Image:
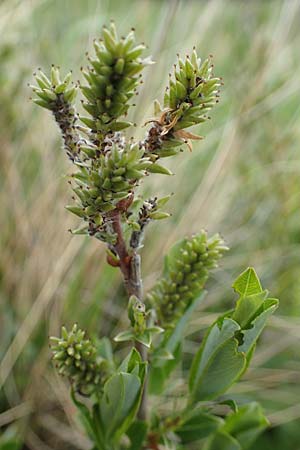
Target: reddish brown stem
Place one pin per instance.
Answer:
(130, 268)
(152, 441)
(120, 245)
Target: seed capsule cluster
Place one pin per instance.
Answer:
(191, 93)
(109, 167)
(112, 80)
(101, 185)
(76, 358)
(149, 210)
(187, 272)
(58, 96)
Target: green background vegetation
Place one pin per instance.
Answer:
(241, 180)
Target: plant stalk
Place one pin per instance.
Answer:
(130, 266)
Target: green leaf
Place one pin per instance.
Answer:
(174, 336)
(11, 445)
(162, 201)
(132, 360)
(88, 422)
(78, 211)
(229, 344)
(118, 404)
(251, 335)
(157, 168)
(159, 215)
(170, 345)
(216, 336)
(247, 283)
(121, 398)
(88, 122)
(104, 349)
(99, 430)
(145, 338)
(246, 424)
(197, 426)
(223, 368)
(231, 403)
(80, 231)
(118, 126)
(164, 354)
(159, 375)
(223, 441)
(137, 434)
(127, 335)
(247, 307)
(10, 439)
(155, 329)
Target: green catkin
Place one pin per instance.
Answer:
(109, 168)
(76, 358)
(191, 93)
(112, 80)
(110, 178)
(187, 274)
(59, 97)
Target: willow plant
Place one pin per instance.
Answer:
(116, 398)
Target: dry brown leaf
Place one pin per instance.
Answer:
(187, 135)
